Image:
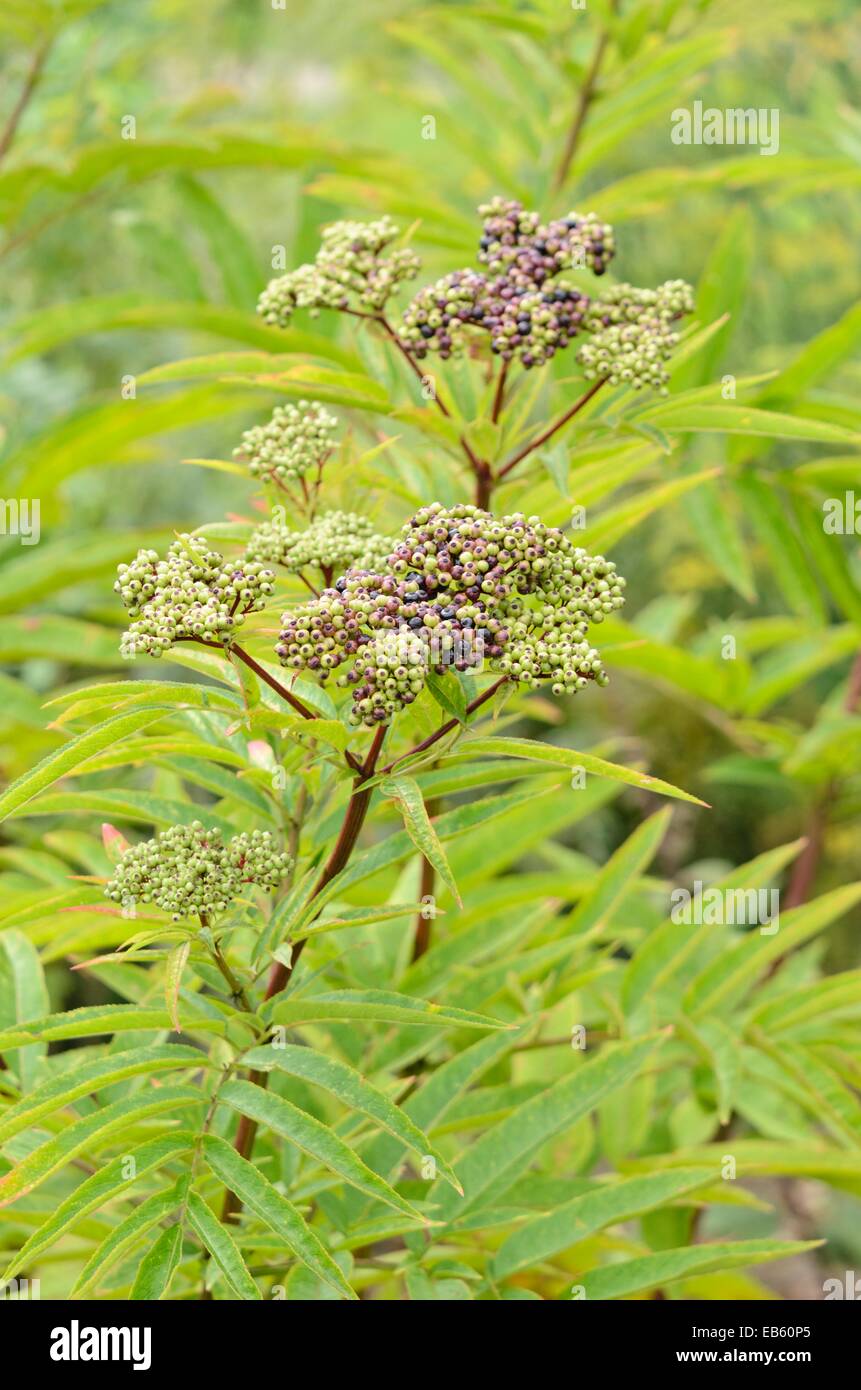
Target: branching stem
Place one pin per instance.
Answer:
(554, 428)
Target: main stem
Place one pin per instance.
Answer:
(584, 100)
(424, 919)
(357, 809)
(30, 83)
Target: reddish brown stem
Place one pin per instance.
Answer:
(30, 83)
(554, 428)
(499, 395)
(584, 100)
(410, 360)
(483, 485)
(424, 919)
(479, 467)
(354, 819)
(273, 684)
(447, 727)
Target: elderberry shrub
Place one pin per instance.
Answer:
(189, 871)
(517, 304)
(459, 588)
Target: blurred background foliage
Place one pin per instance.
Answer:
(255, 124)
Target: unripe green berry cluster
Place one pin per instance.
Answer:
(633, 335)
(460, 587)
(193, 593)
(294, 441)
(333, 543)
(189, 871)
(355, 268)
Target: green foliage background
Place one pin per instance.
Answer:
(254, 127)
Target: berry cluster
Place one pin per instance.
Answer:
(517, 300)
(355, 268)
(460, 587)
(531, 326)
(295, 440)
(528, 314)
(192, 593)
(515, 243)
(632, 334)
(335, 542)
(189, 870)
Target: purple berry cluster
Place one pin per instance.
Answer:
(527, 313)
(461, 587)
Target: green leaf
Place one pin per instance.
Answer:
(312, 1138)
(58, 639)
(127, 694)
(569, 757)
(218, 1241)
(619, 874)
(63, 761)
(353, 1090)
(739, 965)
(717, 1044)
(818, 357)
(259, 1196)
(52, 326)
(60, 564)
(123, 1236)
(501, 1154)
(816, 1087)
(115, 1179)
(767, 512)
(612, 525)
(23, 996)
(228, 246)
(654, 1271)
(829, 999)
(448, 693)
(406, 793)
(790, 664)
(98, 1020)
(94, 1128)
(176, 963)
(110, 434)
(443, 1087)
(353, 917)
(714, 514)
(373, 1006)
(93, 1075)
(762, 1157)
(722, 289)
(158, 1266)
(608, 1204)
(664, 950)
(746, 420)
